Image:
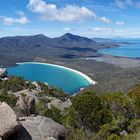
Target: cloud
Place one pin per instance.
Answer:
(105, 20)
(20, 13)
(68, 13)
(120, 4)
(113, 32)
(66, 29)
(10, 20)
(120, 23)
(103, 29)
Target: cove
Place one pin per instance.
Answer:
(69, 80)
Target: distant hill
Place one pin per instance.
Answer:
(70, 38)
(27, 48)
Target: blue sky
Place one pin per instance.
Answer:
(91, 18)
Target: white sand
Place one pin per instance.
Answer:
(73, 70)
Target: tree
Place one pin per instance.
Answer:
(119, 104)
(134, 94)
(91, 111)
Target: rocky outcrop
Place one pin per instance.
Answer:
(3, 73)
(28, 128)
(9, 123)
(38, 88)
(59, 104)
(42, 128)
(26, 104)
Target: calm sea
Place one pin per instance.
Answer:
(64, 79)
(128, 48)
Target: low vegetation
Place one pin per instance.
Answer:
(8, 98)
(92, 116)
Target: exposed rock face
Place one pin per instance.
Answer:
(25, 104)
(42, 128)
(59, 104)
(38, 88)
(9, 123)
(3, 73)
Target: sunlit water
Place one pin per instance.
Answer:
(127, 50)
(65, 79)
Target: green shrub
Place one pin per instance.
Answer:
(114, 137)
(119, 104)
(134, 94)
(71, 119)
(91, 111)
(14, 84)
(31, 86)
(40, 107)
(10, 99)
(54, 113)
(77, 134)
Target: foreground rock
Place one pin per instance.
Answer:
(3, 73)
(42, 128)
(9, 123)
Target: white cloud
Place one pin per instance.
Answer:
(66, 29)
(69, 13)
(101, 29)
(120, 4)
(105, 20)
(22, 19)
(120, 23)
(10, 20)
(113, 32)
(20, 13)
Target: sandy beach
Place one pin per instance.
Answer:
(118, 61)
(70, 69)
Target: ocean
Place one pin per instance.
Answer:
(128, 48)
(67, 80)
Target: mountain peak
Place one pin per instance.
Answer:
(78, 38)
(68, 34)
(40, 35)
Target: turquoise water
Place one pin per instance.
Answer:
(127, 50)
(67, 80)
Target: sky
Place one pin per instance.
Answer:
(89, 18)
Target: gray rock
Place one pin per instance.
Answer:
(25, 104)
(9, 123)
(42, 128)
(3, 72)
(38, 88)
(59, 104)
